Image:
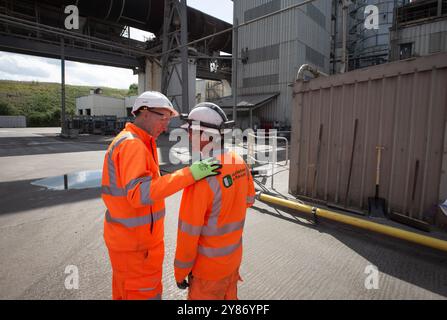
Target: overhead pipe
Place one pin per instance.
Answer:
(307, 67)
(356, 222)
(344, 56)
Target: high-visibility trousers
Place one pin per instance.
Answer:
(224, 289)
(137, 275)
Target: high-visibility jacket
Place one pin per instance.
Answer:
(211, 221)
(134, 192)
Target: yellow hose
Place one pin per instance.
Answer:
(360, 223)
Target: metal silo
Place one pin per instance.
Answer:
(370, 46)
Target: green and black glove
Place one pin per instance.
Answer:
(205, 168)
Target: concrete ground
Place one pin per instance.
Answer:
(286, 256)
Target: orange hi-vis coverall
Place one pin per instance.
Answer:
(133, 192)
(211, 221)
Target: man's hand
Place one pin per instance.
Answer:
(205, 168)
(183, 285)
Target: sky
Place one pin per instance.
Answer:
(30, 68)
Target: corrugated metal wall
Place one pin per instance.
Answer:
(277, 48)
(401, 106)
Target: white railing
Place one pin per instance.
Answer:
(251, 152)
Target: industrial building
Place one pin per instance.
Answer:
(209, 90)
(356, 137)
(272, 50)
(330, 36)
(420, 29)
(96, 104)
(406, 28)
(363, 44)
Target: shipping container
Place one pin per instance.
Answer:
(400, 107)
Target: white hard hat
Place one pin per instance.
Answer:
(154, 99)
(211, 117)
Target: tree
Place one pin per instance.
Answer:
(133, 90)
(5, 109)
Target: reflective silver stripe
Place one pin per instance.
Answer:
(113, 191)
(145, 190)
(159, 215)
(189, 228)
(184, 265)
(133, 183)
(228, 228)
(157, 297)
(111, 165)
(217, 201)
(147, 289)
(219, 252)
(136, 222)
(250, 199)
(210, 230)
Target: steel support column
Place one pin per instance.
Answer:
(63, 124)
(175, 34)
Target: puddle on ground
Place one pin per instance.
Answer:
(77, 180)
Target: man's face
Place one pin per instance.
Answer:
(156, 121)
(203, 139)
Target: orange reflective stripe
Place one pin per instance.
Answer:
(219, 252)
(138, 221)
(183, 265)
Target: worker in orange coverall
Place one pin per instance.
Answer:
(134, 191)
(212, 216)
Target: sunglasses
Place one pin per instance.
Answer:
(163, 116)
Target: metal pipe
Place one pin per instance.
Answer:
(68, 34)
(344, 62)
(306, 67)
(234, 68)
(184, 54)
(359, 223)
